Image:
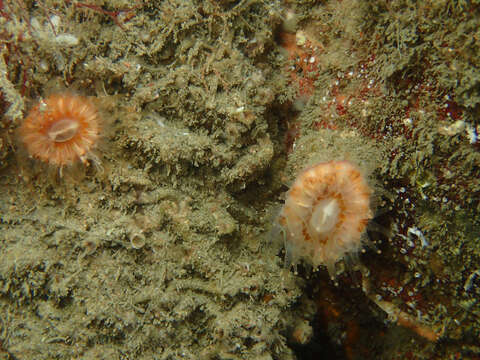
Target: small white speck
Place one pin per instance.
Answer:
(471, 133)
(469, 283)
(43, 105)
(55, 21)
(418, 233)
(67, 40)
(43, 65)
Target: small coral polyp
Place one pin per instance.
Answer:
(325, 214)
(61, 130)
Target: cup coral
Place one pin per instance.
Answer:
(325, 214)
(61, 130)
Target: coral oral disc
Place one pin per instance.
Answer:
(63, 130)
(324, 216)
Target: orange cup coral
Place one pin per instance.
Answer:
(325, 214)
(61, 130)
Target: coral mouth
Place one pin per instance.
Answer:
(325, 215)
(63, 130)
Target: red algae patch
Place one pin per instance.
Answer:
(61, 130)
(325, 214)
